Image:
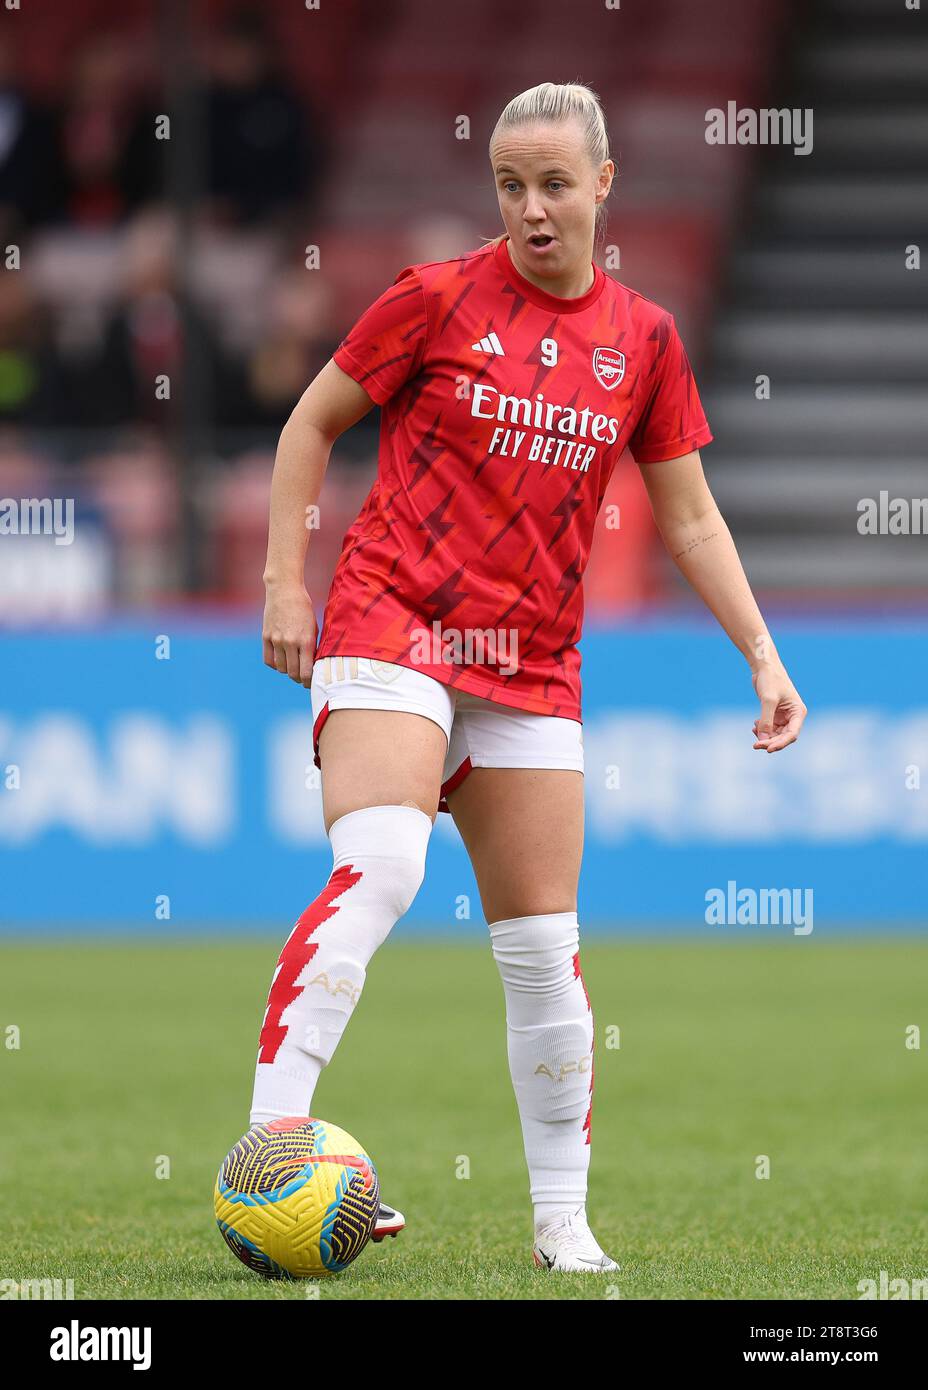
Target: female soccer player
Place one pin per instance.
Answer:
(446, 676)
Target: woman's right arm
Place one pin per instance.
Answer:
(331, 404)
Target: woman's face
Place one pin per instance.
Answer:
(548, 192)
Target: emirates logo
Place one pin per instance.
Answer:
(608, 366)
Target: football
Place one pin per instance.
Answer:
(297, 1197)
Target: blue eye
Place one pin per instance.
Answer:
(554, 184)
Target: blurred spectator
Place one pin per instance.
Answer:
(29, 168)
(260, 160)
(439, 236)
(25, 363)
(108, 375)
(112, 161)
(297, 339)
(135, 489)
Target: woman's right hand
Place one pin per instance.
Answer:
(289, 632)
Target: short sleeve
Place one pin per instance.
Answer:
(385, 347)
(673, 421)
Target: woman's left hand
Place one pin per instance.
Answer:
(781, 710)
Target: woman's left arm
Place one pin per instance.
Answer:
(700, 544)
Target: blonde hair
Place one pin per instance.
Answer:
(556, 103)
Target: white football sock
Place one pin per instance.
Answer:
(379, 864)
(549, 1028)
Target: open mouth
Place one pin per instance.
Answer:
(540, 239)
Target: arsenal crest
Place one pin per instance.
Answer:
(609, 366)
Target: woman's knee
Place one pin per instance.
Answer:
(379, 855)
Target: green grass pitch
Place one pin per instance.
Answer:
(794, 1049)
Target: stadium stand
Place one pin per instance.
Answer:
(135, 263)
(821, 297)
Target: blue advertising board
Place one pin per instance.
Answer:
(160, 777)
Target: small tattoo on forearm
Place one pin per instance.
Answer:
(697, 540)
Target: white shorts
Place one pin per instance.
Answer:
(480, 733)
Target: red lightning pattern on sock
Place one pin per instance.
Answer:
(297, 953)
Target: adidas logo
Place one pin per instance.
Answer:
(489, 344)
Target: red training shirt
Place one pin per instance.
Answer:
(504, 412)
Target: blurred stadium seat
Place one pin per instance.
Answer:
(126, 273)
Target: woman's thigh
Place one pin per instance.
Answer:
(382, 735)
(523, 830)
(375, 757)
